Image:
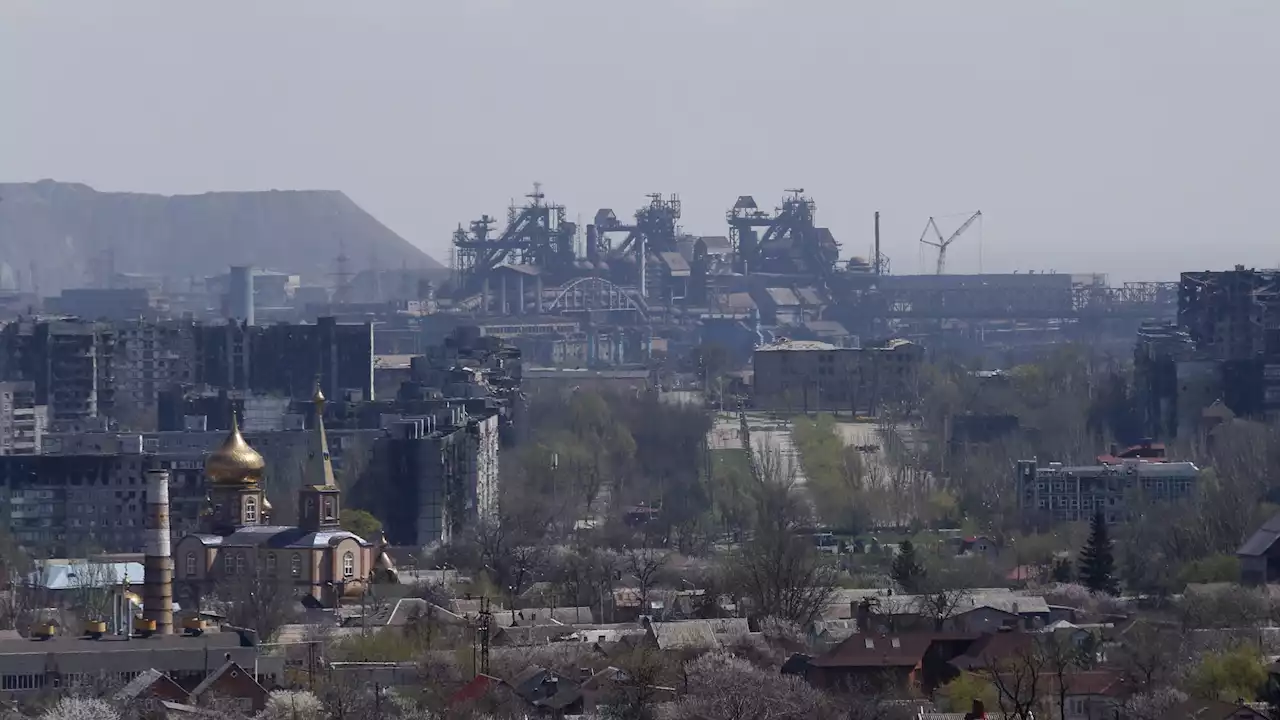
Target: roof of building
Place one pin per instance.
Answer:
(739, 301)
(74, 574)
(1202, 709)
(716, 244)
(229, 667)
(140, 684)
(1262, 539)
(825, 327)
(528, 617)
(675, 262)
(584, 374)
(874, 650)
(168, 653)
(685, 635)
(279, 537)
(809, 296)
(993, 648)
(796, 345)
(783, 297)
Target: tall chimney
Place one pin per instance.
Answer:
(157, 566)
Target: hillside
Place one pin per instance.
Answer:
(64, 227)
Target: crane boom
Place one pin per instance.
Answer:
(943, 243)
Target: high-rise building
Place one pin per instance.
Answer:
(22, 421)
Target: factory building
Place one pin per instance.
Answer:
(1221, 358)
(804, 375)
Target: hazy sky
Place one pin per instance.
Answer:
(1137, 138)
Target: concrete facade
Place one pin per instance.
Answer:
(809, 375)
(22, 421)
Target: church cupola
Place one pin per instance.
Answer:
(235, 493)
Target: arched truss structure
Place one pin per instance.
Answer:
(593, 294)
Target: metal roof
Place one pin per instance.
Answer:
(71, 575)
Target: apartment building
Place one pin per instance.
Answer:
(805, 375)
(1063, 493)
(22, 421)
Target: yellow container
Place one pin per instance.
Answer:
(144, 626)
(44, 630)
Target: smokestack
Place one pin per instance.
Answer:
(876, 260)
(157, 566)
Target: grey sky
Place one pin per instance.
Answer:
(1137, 138)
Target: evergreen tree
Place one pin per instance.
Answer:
(907, 570)
(1097, 559)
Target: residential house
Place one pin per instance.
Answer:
(873, 660)
(232, 682)
(142, 697)
(1260, 555)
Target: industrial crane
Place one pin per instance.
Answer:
(943, 243)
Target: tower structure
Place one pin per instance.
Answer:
(157, 567)
(320, 499)
(235, 491)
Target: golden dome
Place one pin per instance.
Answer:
(234, 461)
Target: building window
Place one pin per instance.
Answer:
(348, 564)
(250, 510)
(295, 565)
(271, 563)
(328, 508)
(191, 564)
(228, 562)
(239, 563)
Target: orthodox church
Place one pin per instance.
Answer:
(238, 542)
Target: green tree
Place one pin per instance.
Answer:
(907, 570)
(360, 522)
(1097, 559)
(1230, 675)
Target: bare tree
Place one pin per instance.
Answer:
(1018, 681)
(941, 605)
(254, 600)
(719, 686)
(92, 587)
(778, 570)
(1148, 656)
(645, 564)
